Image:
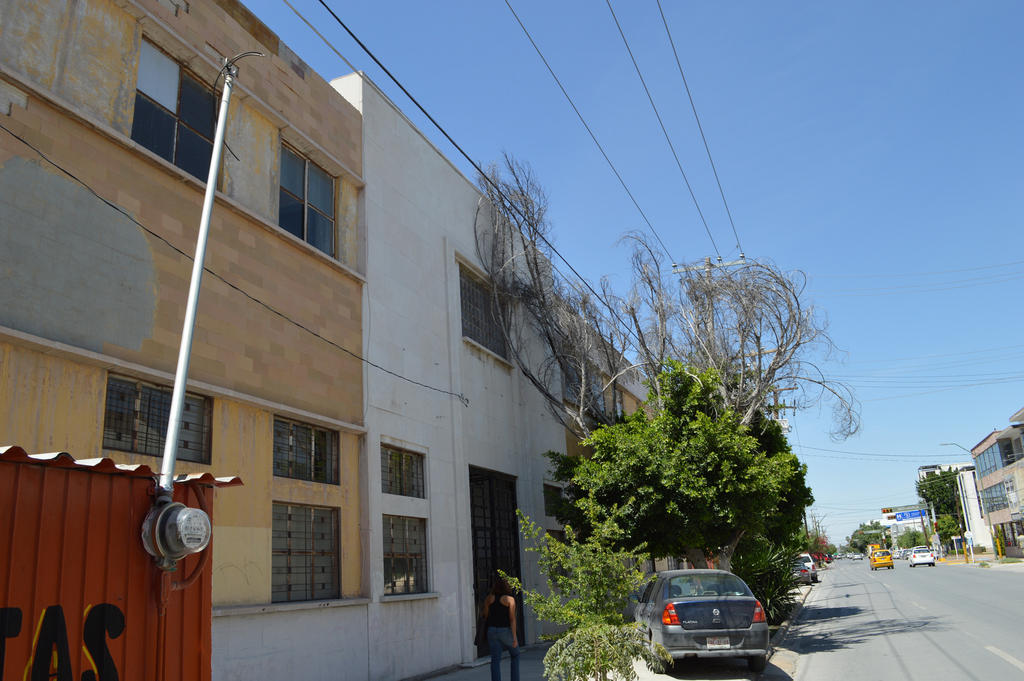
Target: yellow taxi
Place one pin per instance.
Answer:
(880, 559)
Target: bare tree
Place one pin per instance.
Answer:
(749, 321)
(557, 332)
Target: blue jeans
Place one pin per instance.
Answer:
(498, 639)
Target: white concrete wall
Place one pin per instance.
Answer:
(420, 212)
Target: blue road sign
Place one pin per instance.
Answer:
(909, 515)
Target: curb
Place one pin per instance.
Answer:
(783, 630)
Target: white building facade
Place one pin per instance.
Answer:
(444, 476)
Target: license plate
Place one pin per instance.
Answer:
(718, 642)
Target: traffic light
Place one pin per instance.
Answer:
(886, 510)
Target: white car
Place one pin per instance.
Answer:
(808, 563)
(922, 555)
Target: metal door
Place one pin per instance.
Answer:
(492, 502)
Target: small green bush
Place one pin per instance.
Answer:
(984, 564)
(767, 569)
(1010, 560)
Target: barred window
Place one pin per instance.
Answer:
(405, 555)
(305, 452)
(136, 416)
(305, 555)
(401, 472)
(478, 319)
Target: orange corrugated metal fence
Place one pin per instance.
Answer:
(80, 599)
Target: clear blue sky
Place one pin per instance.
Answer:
(875, 146)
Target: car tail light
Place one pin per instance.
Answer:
(758, 612)
(669, 615)
(803, 569)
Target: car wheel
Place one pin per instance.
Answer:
(911, 565)
(757, 663)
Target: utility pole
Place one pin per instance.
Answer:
(708, 266)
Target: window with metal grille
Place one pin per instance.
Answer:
(478, 319)
(307, 201)
(405, 555)
(305, 452)
(401, 472)
(305, 555)
(136, 416)
(175, 113)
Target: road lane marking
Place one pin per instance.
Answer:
(918, 605)
(1006, 656)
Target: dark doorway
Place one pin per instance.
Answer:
(492, 507)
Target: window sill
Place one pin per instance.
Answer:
(490, 353)
(234, 610)
(391, 598)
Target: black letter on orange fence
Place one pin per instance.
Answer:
(52, 646)
(10, 626)
(102, 620)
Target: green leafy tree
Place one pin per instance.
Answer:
(947, 527)
(939, 490)
(693, 478)
(911, 538)
(867, 533)
(589, 582)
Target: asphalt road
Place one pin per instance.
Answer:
(955, 622)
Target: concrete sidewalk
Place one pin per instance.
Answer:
(781, 664)
(531, 668)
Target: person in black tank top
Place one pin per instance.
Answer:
(500, 614)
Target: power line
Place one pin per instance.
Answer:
(920, 274)
(934, 287)
(579, 115)
(484, 176)
(875, 454)
(664, 131)
(700, 127)
(268, 307)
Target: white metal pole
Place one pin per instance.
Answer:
(166, 483)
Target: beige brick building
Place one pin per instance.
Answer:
(108, 108)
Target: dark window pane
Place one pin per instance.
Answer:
(321, 190)
(293, 170)
(119, 422)
(193, 153)
(290, 215)
(153, 127)
(320, 231)
(154, 411)
(196, 106)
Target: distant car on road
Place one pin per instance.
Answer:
(808, 562)
(857, 556)
(922, 555)
(802, 573)
(881, 559)
(704, 613)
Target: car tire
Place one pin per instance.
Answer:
(757, 663)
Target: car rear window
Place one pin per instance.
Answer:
(882, 554)
(705, 585)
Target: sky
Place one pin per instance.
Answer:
(874, 146)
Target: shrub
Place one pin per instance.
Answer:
(767, 568)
